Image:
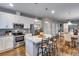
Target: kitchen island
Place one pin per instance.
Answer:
(31, 44)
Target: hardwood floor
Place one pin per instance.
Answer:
(20, 51)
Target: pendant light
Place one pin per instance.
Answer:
(46, 16)
(69, 23)
(36, 18)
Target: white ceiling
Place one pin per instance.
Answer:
(63, 11)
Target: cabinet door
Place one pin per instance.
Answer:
(1, 44)
(9, 42)
(6, 20)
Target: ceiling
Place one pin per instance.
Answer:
(63, 11)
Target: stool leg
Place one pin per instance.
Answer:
(46, 51)
(42, 52)
(38, 52)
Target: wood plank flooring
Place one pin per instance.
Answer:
(20, 51)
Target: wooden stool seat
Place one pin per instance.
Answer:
(44, 46)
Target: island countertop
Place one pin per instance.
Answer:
(36, 39)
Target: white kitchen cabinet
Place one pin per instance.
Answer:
(25, 20)
(6, 43)
(1, 44)
(7, 20)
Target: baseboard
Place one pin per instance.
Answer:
(5, 50)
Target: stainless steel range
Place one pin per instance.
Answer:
(19, 40)
(18, 35)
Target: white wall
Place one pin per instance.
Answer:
(7, 20)
(65, 27)
(51, 27)
(57, 26)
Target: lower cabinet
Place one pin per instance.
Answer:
(1, 44)
(6, 43)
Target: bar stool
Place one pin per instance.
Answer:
(54, 45)
(73, 42)
(43, 48)
(59, 45)
(50, 46)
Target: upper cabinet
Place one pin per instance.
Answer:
(25, 20)
(7, 20)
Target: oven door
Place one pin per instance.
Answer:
(19, 41)
(19, 38)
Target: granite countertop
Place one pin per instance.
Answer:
(6, 36)
(36, 39)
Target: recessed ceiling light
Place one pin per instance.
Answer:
(53, 11)
(11, 4)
